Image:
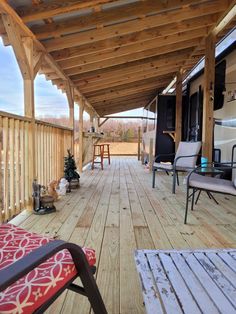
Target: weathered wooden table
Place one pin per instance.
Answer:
(199, 281)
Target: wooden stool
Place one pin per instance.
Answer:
(98, 150)
(106, 152)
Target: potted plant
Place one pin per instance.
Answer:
(70, 173)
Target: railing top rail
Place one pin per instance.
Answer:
(27, 119)
(53, 125)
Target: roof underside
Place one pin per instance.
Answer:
(121, 53)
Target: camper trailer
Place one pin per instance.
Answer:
(224, 105)
(159, 115)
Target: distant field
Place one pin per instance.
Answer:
(123, 148)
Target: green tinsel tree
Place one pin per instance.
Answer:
(70, 172)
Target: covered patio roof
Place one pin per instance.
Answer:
(116, 54)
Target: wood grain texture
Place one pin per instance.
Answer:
(116, 211)
(182, 281)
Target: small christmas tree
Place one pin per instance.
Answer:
(70, 172)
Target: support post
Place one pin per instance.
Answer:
(150, 154)
(178, 111)
(70, 98)
(81, 111)
(96, 124)
(139, 142)
(208, 98)
(30, 111)
(91, 120)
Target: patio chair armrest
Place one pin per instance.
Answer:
(184, 156)
(20, 268)
(220, 166)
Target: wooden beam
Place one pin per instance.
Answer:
(56, 7)
(135, 66)
(14, 35)
(103, 46)
(128, 91)
(38, 59)
(134, 52)
(133, 77)
(138, 85)
(105, 17)
(178, 111)
(225, 20)
(120, 101)
(135, 26)
(101, 123)
(159, 48)
(208, 98)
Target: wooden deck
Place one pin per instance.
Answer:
(116, 211)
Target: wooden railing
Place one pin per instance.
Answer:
(51, 143)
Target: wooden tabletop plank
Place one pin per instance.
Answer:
(226, 287)
(227, 258)
(223, 267)
(184, 295)
(164, 286)
(150, 293)
(200, 294)
(214, 291)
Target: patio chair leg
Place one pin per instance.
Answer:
(153, 178)
(186, 207)
(177, 177)
(194, 191)
(174, 182)
(199, 193)
(92, 292)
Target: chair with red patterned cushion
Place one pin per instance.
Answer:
(35, 270)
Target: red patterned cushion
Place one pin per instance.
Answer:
(39, 285)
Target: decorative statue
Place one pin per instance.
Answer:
(70, 173)
(63, 186)
(42, 204)
(52, 190)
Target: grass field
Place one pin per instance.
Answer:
(123, 148)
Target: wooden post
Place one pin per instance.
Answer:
(96, 124)
(70, 98)
(30, 112)
(208, 98)
(139, 142)
(178, 112)
(91, 120)
(150, 154)
(81, 111)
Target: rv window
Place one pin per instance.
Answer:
(219, 85)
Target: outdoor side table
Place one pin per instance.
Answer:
(188, 281)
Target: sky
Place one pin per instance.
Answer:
(11, 89)
(46, 94)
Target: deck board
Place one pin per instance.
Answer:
(116, 211)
